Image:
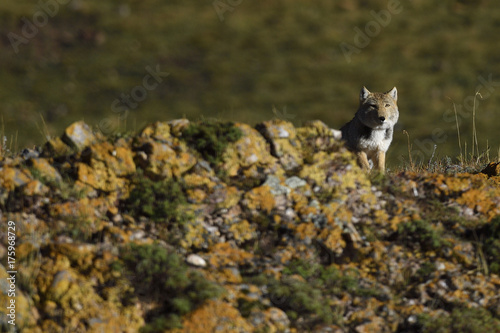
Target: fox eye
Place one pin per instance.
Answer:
(387, 105)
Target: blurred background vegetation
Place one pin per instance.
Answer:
(250, 61)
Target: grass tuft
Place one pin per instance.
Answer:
(162, 278)
(211, 138)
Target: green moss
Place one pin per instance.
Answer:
(161, 201)
(330, 279)
(302, 300)
(307, 300)
(246, 306)
(423, 233)
(425, 271)
(304, 268)
(210, 138)
(161, 277)
(462, 319)
(326, 195)
(160, 324)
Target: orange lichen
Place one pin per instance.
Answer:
(224, 254)
(304, 230)
(10, 178)
(396, 220)
(214, 316)
(300, 201)
(332, 239)
(242, 231)
(197, 180)
(196, 195)
(260, 198)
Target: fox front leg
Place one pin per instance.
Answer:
(380, 161)
(363, 160)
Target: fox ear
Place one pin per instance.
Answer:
(364, 94)
(394, 93)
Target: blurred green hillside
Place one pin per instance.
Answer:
(236, 59)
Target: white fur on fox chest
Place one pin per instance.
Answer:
(379, 140)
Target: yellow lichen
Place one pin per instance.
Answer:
(230, 197)
(214, 316)
(195, 235)
(332, 239)
(304, 230)
(224, 254)
(242, 231)
(260, 198)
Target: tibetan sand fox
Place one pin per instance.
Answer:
(369, 133)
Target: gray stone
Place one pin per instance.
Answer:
(276, 188)
(294, 182)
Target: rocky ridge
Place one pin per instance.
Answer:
(221, 227)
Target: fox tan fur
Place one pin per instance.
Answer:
(369, 133)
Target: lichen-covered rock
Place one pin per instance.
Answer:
(107, 167)
(70, 301)
(215, 316)
(317, 136)
(44, 169)
(159, 131)
(35, 187)
(250, 157)
(164, 160)
(271, 320)
(83, 209)
(177, 126)
(284, 143)
(10, 177)
(242, 231)
(275, 230)
(117, 158)
(56, 147)
(99, 177)
(260, 199)
(79, 135)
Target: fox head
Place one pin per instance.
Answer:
(378, 110)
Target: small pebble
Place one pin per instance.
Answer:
(196, 260)
(440, 266)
